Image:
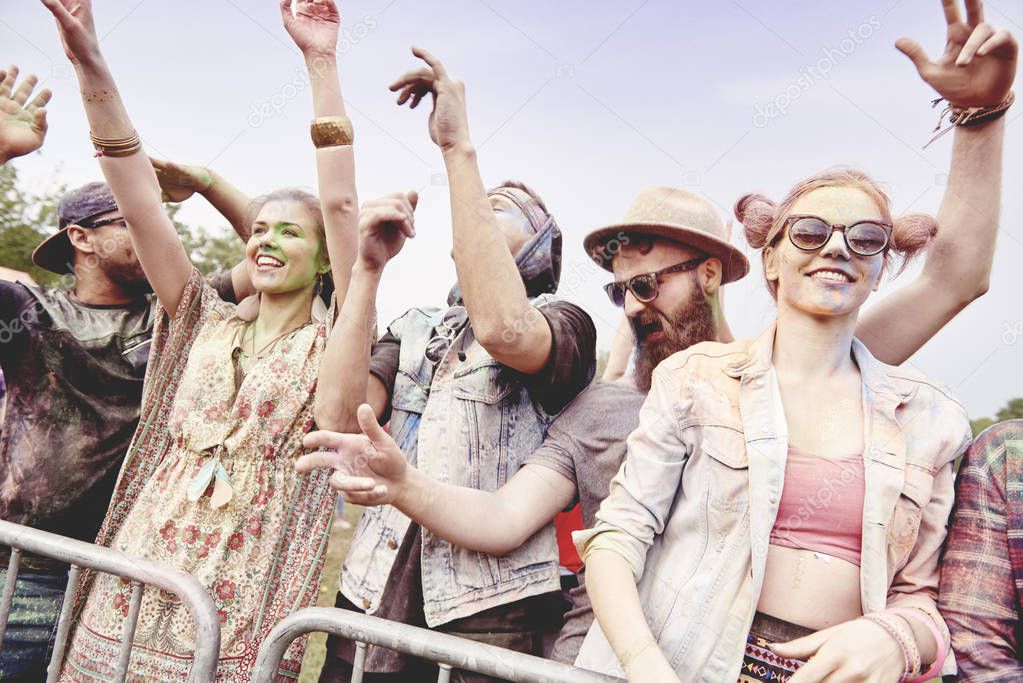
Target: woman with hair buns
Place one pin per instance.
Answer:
(784, 500)
(781, 510)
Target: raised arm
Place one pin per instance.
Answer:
(314, 28)
(22, 120)
(370, 469)
(345, 381)
(976, 69)
(131, 177)
(503, 320)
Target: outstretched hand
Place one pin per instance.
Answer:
(369, 468)
(77, 28)
(314, 25)
(22, 121)
(449, 123)
(978, 65)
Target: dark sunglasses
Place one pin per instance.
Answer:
(100, 223)
(644, 286)
(865, 238)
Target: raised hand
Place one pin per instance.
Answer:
(313, 25)
(449, 123)
(384, 225)
(22, 122)
(178, 182)
(77, 28)
(369, 468)
(978, 65)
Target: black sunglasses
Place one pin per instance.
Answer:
(100, 223)
(644, 286)
(865, 238)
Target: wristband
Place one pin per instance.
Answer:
(331, 131)
(939, 640)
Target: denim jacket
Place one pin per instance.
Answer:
(698, 494)
(469, 422)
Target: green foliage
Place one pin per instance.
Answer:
(27, 219)
(1013, 410)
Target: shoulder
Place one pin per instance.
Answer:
(592, 405)
(922, 392)
(413, 318)
(705, 358)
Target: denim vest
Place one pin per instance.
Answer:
(469, 423)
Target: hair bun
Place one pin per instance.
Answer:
(756, 213)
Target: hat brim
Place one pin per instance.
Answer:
(599, 247)
(54, 253)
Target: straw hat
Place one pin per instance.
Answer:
(674, 214)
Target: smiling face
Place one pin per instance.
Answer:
(831, 281)
(285, 252)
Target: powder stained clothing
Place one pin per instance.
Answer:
(216, 432)
(74, 375)
(586, 443)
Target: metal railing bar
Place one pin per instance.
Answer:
(63, 625)
(5, 603)
(107, 560)
(128, 638)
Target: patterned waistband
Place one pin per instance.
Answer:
(759, 663)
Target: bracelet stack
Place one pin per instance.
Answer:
(116, 147)
(969, 116)
(903, 636)
(331, 131)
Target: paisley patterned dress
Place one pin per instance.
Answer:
(209, 486)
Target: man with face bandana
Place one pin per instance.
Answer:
(469, 392)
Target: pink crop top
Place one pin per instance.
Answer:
(821, 506)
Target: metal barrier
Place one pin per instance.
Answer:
(139, 570)
(448, 651)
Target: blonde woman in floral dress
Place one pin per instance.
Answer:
(209, 484)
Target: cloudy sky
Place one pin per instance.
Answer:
(587, 101)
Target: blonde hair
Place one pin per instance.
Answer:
(763, 221)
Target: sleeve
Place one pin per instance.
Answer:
(573, 359)
(978, 594)
(559, 451)
(644, 490)
(13, 298)
(384, 359)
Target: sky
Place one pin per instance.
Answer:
(588, 102)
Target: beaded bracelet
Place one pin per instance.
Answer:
(969, 116)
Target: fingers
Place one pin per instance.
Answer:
(418, 78)
(8, 82)
(340, 480)
(801, 648)
(369, 425)
(378, 496)
(914, 51)
(413, 198)
(39, 120)
(951, 8)
(64, 18)
(286, 13)
(326, 439)
(21, 93)
(40, 100)
(974, 12)
(438, 69)
(1001, 42)
(312, 461)
(977, 38)
(816, 670)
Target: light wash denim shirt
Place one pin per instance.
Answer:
(698, 493)
(469, 423)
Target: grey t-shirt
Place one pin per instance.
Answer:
(586, 442)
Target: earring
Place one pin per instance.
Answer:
(319, 285)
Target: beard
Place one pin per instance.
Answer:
(690, 323)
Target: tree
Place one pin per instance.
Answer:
(1013, 410)
(25, 220)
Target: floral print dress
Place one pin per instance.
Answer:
(209, 486)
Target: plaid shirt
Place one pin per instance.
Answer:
(982, 573)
